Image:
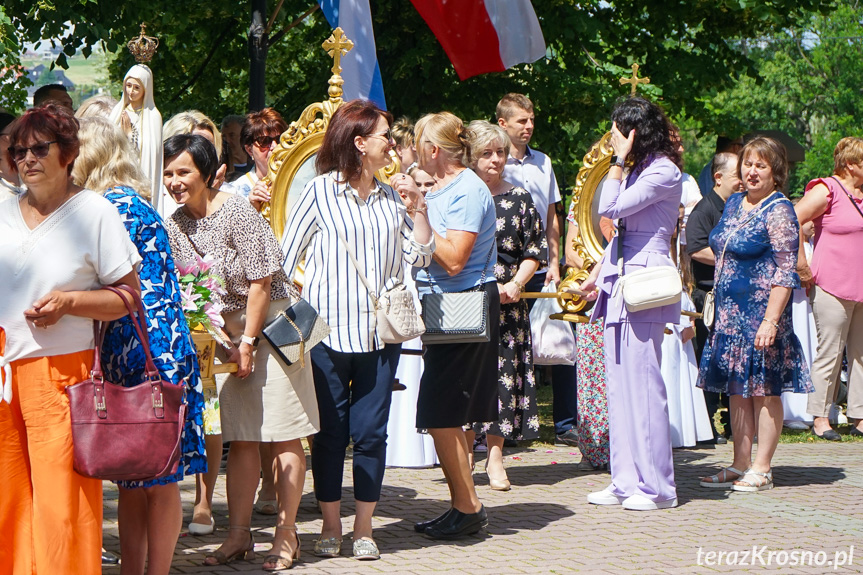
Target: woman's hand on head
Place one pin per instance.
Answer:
(621, 144)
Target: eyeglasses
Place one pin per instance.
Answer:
(388, 135)
(39, 150)
(265, 142)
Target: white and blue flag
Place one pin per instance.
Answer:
(360, 68)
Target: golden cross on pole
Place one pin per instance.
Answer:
(634, 81)
(337, 45)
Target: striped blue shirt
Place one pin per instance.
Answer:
(379, 233)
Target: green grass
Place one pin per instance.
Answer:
(546, 425)
(82, 71)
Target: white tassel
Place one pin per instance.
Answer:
(7, 380)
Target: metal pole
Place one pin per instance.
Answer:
(258, 44)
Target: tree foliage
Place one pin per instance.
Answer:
(806, 85)
(691, 49)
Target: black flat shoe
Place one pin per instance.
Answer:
(109, 558)
(458, 525)
(855, 432)
(423, 525)
(829, 435)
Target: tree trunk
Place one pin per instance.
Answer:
(258, 45)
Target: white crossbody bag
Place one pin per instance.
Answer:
(395, 311)
(646, 288)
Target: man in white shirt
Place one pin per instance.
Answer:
(531, 169)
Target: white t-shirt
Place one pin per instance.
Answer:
(535, 174)
(691, 196)
(81, 246)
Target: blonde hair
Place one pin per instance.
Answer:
(511, 103)
(403, 132)
(483, 135)
(189, 121)
(848, 151)
(96, 106)
(446, 131)
(107, 159)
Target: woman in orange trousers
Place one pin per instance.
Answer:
(59, 244)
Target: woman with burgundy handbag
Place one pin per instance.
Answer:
(835, 204)
(59, 244)
(150, 513)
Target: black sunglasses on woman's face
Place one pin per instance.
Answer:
(39, 150)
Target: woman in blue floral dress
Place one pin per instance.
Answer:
(106, 162)
(753, 355)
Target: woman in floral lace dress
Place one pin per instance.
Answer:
(521, 250)
(752, 354)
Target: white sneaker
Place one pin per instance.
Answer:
(604, 497)
(641, 503)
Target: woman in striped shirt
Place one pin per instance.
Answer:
(347, 208)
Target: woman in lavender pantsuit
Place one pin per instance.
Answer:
(642, 190)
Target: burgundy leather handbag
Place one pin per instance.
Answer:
(126, 433)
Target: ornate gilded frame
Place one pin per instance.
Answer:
(597, 162)
(588, 241)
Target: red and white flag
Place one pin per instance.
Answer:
(481, 36)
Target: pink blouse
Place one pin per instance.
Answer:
(836, 263)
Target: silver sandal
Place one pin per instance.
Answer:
(366, 549)
(713, 482)
(328, 547)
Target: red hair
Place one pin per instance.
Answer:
(267, 122)
(51, 121)
(338, 152)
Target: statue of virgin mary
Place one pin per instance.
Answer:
(140, 119)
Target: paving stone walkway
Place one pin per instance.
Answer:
(811, 521)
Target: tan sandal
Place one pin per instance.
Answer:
(280, 562)
(717, 482)
(246, 554)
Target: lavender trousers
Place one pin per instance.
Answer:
(639, 432)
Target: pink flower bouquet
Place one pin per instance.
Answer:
(198, 286)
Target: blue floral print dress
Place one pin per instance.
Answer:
(762, 253)
(170, 342)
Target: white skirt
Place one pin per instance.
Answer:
(687, 411)
(275, 402)
(405, 446)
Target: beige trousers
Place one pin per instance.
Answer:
(839, 324)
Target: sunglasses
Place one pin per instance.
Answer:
(388, 135)
(265, 142)
(39, 150)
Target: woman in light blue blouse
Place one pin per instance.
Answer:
(459, 384)
(347, 208)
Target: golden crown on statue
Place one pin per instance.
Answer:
(143, 47)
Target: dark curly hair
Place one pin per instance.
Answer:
(652, 128)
